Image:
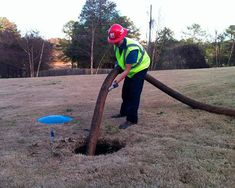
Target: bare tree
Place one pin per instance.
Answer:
(40, 60)
(231, 32)
(38, 52)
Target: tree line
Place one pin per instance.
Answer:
(29, 53)
(85, 44)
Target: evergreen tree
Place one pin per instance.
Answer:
(88, 47)
(231, 34)
(164, 39)
(11, 55)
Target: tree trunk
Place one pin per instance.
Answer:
(153, 57)
(216, 49)
(231, 53)
(40, 60)
(92, 46)
(98, 67)
(32, 63)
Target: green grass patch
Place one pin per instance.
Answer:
(111, 129)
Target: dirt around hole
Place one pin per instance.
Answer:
(103, 147)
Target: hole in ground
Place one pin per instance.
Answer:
(103, 147)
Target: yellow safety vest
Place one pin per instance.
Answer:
(143, 60)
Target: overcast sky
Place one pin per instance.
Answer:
(49, 16)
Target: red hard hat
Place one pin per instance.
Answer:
(116, 33)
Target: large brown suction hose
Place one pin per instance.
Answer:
(98, 112)
(187, 100)
(99, 108)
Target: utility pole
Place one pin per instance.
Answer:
(150, 28)
(216, 48)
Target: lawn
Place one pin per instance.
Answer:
(172, 145)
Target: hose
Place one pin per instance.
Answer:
(99, 108)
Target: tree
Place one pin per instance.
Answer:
(231, 33)
(6, 25)
(89, 34)
(64, 45)
(38, 52)
(194, 34)
(96, 15)
(27, 54)
(126, 22)
(11, 55)
(183, 56)
(219, 48)
(164, 39)
(68, 29)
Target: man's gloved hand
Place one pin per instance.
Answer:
(116, 64)
(113, 86)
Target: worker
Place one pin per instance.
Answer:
(134, 61)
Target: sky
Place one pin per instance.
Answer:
(49, 16)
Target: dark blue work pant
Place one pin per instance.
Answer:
(131, 92)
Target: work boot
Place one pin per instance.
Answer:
(117, 116)
(126, 124)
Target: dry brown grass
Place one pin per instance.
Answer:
(172, 145)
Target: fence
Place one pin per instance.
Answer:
(74, 71)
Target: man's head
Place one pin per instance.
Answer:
(116, 34)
